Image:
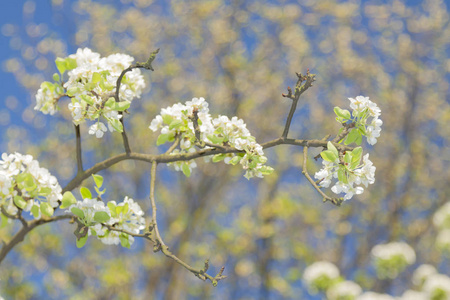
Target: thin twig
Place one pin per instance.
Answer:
(174, 145)
(299, 90)
(20, 235)
(78, 150)
(160, 245)
(335, 201)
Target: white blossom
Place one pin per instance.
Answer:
(443, 239)
(318, 270)
(422, 273)
(40, 187)
(437, 283)
(413, 295)
(98, 129)
(441, 218)
(387, 251)
(347, 289)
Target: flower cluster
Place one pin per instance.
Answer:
(441, 220)
(91, 86)
(363, 109)
(193, 125)
(348, 169)
(321, 275)
(344, 290)
(392, 258)
(98, 218)
(25, 185)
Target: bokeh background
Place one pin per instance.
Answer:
(240, 56)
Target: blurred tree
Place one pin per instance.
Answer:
(240, 56)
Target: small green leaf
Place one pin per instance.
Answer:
(186, 170)
(110, 102)
(342, 113)
(82, 241)
(356, 154)
(19, 202)
(67, 200)
(219, 157)
(60, 64)
(126, 207)
(347, 157)
(116, 124)
(175, 124)
(98, 180)
(71, 63)
(56, 77)
(167, 119)
(266, 170)
(98, 191)
(162, 138)
(45, 191)
(124, 241)
(77, 212)
(215, 139)
(87, 99)
(235, 160)
(352, 137)
(358, 140)
(35, 211)
(85, 193)
(96, 77)
(101, 217)
(342, 176)
(72, 91)
(328, 155)
(46, 209)
(332, 148)
(112, 209)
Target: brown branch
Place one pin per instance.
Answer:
(335, 201)
(299, 90)
(20, 235)
(161, 246)
(78, 150)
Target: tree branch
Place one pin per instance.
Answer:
(335, 201)
(161, 246)
(78, 150)
(299, 89)
(20, 235)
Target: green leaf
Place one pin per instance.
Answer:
(87, 99)
(56, 77)
(266, 170)
(98, 191)
(45, 191)
(110, 102)
(342, 176)
(167, 119)
(342, 113)
(126, 207)
(347, 157)
(186, 170)
(60, 64)
(82, 241)
(26, 181)
(219, 157)
(68, 199)
(72, 91)
(101, 217)
(332, 148)
(356, 154)
(77, 212)
(175, 124)
(162, 138)
(328, 155)
(112, 209)
(20, 202)
(85, 193)
(116, 124)
(35, 211)
(71, 63)
(98, 179)
(96, 77)
(215, 139)
(358, 140)
(352, 137)
(124, 241)
(235, 160)
(46, 209)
